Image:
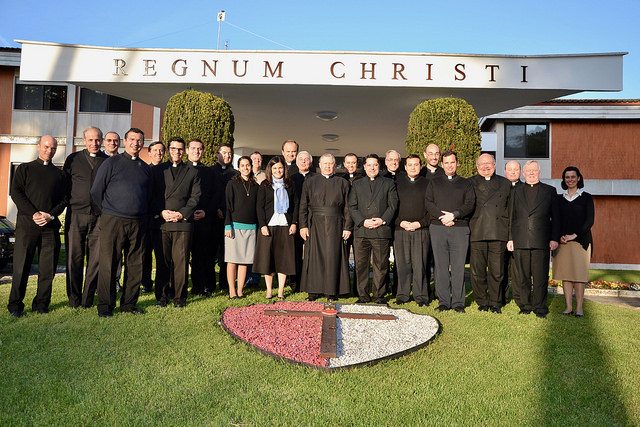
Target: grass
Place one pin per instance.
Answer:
(179, 367)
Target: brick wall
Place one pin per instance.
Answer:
(616, 229)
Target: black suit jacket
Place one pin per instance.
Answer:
(264, 205)
(490, 220)
(298, 179)
(180, 194)
(209, 193)
(533, 227)
(379, 201)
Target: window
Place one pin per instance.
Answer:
(92, 101)
(526, 140)
(40, 97)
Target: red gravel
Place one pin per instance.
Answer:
(294, 338)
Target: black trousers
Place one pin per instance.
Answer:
(510, 270)
(203, 275)
(29, 239)
(450, 245)
(363, 250)
(175, 247)
(218, 241)
(82, 238)
(119, 234)
(487, 271)
(533, 273)
(147, 262)
(411, 249)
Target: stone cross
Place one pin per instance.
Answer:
(329, 338)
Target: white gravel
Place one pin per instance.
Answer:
(361, 341)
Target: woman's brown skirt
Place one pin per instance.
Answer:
(571, 262)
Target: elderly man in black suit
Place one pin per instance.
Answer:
(372, 203)
(533, 233)
(303, 163)
(512, 172)
(38, 190)
(489, 227)
(82, 227)
(176, 193)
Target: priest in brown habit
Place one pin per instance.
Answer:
(325, 225)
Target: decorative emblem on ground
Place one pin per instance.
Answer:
(353, 335)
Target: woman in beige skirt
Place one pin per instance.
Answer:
(572, 258)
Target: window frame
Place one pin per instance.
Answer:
(526, 154)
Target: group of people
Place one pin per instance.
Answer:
(290, 223)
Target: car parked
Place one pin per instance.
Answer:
(7, 241)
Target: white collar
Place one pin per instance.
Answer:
(577, 194)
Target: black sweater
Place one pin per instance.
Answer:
(80, 171)
(240, 207)
(411, 200)
(38, 187)
(453, 195)
(577, 217)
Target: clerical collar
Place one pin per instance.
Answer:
(288, 163)
(350, 175)
(392, 173)
(223, 166)
(174, 165)
(372, 178)
(92, 154)
(195, 163)
(450, 177)
(412, 179)
(513, 184)
(432, 170)
(531, 185)
(129, 156)
(327, 176)
(304, 173)
(45, 163)
(487, 178)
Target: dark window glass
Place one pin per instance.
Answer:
(92, 101)
(40, 97)
(526, 140)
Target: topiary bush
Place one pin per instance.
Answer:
(193, 114)
(450, 123)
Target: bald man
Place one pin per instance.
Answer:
(38, 190)
(512, 172)
(432, 155)
(489, 227)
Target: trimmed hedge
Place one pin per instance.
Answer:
(450, 123)
(193, 114)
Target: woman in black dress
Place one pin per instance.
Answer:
(240, 225)
(277, 210)
(571, 260)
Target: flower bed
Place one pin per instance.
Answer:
(603, 284)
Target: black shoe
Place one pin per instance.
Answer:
(161, 304)
(17, 313)
(146, 290)
(105, 314)
(362, 301)
(330, 299)
(400, 302)
(442, 308)
(578, 314)
(496, 310)
(422, 304)
(523, 311)
(541, 315)
(179, 305)
(567, 314)
(312, 298)
(459, 310)
(380, 301)
(43, 310)
(208, 290)
(135, 310)
(483, 308)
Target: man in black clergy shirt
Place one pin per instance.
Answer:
(290, 150)
(122, 189)
(489, 233)
(223, 171)
(325, 225)
(533, 233)
(176, 192)
(82, 225)
(352, 174)
(450, 201)
(303, 163)
(203, 275)
(372, 203)
(411, 235)
(512, 172)
(38, 190)
(432, 155)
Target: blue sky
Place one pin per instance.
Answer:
(462, 26)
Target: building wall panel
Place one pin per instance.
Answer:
(142, 118)
(615, 230)
(600, 149)
(7, 75)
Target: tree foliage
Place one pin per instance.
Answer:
(193, 114)
(450, 123)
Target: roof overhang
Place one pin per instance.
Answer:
(275, 95)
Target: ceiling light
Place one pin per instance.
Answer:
(326, 116)
(330, 137)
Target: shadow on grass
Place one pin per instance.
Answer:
(578, 379)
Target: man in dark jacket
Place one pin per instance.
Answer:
(82, 227)
(533, 233)
(372, 203)
(176, 192)
(489, 233)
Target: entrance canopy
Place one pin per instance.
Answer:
(327, 101)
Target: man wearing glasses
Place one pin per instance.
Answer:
(176, 193)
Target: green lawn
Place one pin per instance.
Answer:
(179, 367)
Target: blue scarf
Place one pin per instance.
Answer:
(281, 198)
